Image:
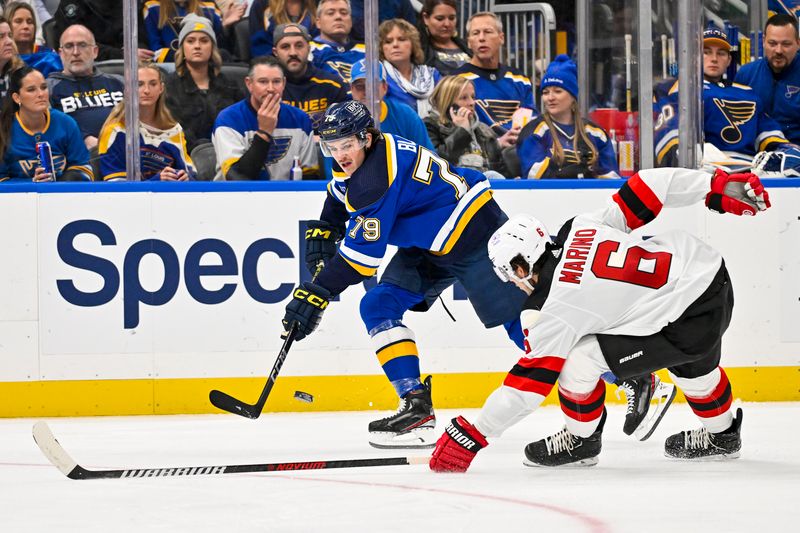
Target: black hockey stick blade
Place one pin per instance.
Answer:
(226, 402)
(57, 455)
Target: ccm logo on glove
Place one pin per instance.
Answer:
(317, 232)
(311, 298)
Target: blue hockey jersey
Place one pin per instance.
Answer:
(403, 195)
(535, 151)
(336, 58)
(498, 94)
(164, 41)
(780, 93)
(66, 144)
(734, 121)
(43, 59)
(314, 92)
(158, 149)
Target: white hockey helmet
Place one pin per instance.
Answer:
(521, 235)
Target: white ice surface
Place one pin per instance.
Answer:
(633, 489)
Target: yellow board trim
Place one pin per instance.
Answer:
(399, 349)
(190, 396)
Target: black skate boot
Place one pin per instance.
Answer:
(565, 449)
(412, 426)
(642, 418)
(700, 444)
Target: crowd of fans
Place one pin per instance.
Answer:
(206, 114)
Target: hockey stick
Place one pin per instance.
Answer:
(226, 402)
(57, 455)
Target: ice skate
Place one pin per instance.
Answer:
(701, 444)
(412, 426)
(566, 449)
(648, 400)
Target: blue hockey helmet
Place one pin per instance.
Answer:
(345, 119)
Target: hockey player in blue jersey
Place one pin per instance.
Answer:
(734, 118)
(386, 191)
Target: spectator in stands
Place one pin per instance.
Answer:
(9, 59)
(162, 146)
(267, 15)
(307, 87)
(198, 90)
(25, 120)
(395, 117)
(163, 19)
(104, 19)
(457, 133)
(734, 120)
(410, 81)
(387, 9)
(500, 90)
(80, 90)
(561, 143)
(23, 30)
(333, 50)
(443, 49)
(261, 138)
(776, 77)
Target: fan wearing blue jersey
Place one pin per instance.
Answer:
(734, 118)
(387, 190)
(333, 49)
(258, 138)
(162, 143)
(561, 143)
(776, 76)
(23, 28)
(25, 120)
(500, 90)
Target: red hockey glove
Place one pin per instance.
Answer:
(457, 447)
(740, 194)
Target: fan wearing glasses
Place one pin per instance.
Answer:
(80, 90)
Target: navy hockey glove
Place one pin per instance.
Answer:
(308, 303)
(457, 447)
(740, 194)
(321, 240)
(784, 161)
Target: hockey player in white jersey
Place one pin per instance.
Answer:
(603, 300)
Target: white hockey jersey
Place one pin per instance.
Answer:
(607, 281)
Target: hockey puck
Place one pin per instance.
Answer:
(303, 396)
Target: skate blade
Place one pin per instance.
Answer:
(591, 461)
(663, 396)
(707, 458)
(411, 440)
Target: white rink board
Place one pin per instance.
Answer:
(46, 337)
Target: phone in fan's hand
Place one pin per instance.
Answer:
(454, 108)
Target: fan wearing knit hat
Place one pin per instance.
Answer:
(561, 143)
